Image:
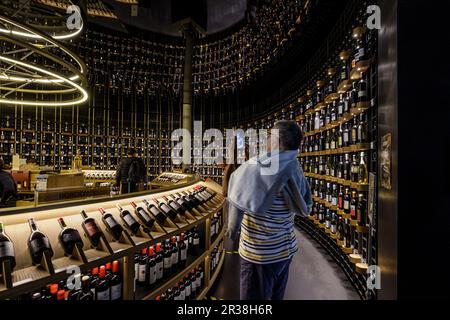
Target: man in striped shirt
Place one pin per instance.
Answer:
(261, 211)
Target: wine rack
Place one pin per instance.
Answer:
(27, 278)
(337, 111)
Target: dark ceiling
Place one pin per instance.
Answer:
(156, 15)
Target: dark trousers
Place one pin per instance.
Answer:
(129, 187)
(264, 281)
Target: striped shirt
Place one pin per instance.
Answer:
(269, 237)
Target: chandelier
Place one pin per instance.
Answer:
(36, 69)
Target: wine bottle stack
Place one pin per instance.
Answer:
(188, 288)
(159, 263)
(216, 224)
(100, 283)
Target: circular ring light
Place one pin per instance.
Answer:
(36, 13)
(38, 68)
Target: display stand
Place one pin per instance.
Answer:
(46, 262)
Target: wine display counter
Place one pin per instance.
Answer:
(166, 179)
(155, 239)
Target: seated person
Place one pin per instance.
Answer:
(8, 188)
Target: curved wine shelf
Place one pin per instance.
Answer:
(27, 278)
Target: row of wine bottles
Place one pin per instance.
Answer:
(100, 283)
(346, 167)
(160, 211)
(215, 256)
(187, 288)
(158, 263)
(349, 133)
(351, 202)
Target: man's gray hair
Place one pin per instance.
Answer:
(289, 133)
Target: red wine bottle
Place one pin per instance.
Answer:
(6, 249)
(129, 220)
(159, 260)
(151, 267)
(167, 259)
(102, 290)
(91, 229)
(183, 251)
(160, 216)
(166, 209)
(68, 237)
(38, 243)
(175, 254)
(175, 206)
(142, 268)
(86, 293)
(116, 282)
(143, 216)
(114, 228)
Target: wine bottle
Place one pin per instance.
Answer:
(142, 268)
(354, 170)
(167, 261)
(160, 216)
(159, 260)
(175, 254)
(91, 229)
(68, 237)
(175, 206)
(353, 205)
(362, 170)
(151, 267)
(6, 249)
(38, 243)
(111, 224)
(347, 201)
(362, 210)
(86, 293)
(129, 220)
(143, 216)
(187, 287)
(166, 209)
(102, 290)
(183, 251)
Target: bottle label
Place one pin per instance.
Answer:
(346, 205)
(142, 270)
(111, 222)
(186, 242)
(38, 244)
(91, 228)
(6, 250)
(334, 201)
(183, 254)
(154, 211)
(353, 211)
(167, 262)
(136, 271)
(152, 275)
(116, 291)
(193, 285)
(333, 228)
(159, 270)
(175, 258)
(182, 294)
(188, 290)
(129, 219)
(198, 282)
(103, 295)
(196, 241)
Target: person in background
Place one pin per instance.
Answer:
(262, 208)
(131, 173)
(8, 188)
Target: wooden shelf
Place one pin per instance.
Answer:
(350, 149)
(344, 86)
(361, 66)
(352, 185)
(319, 106)
(354, 258)
(331, 97)
(361, 268)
